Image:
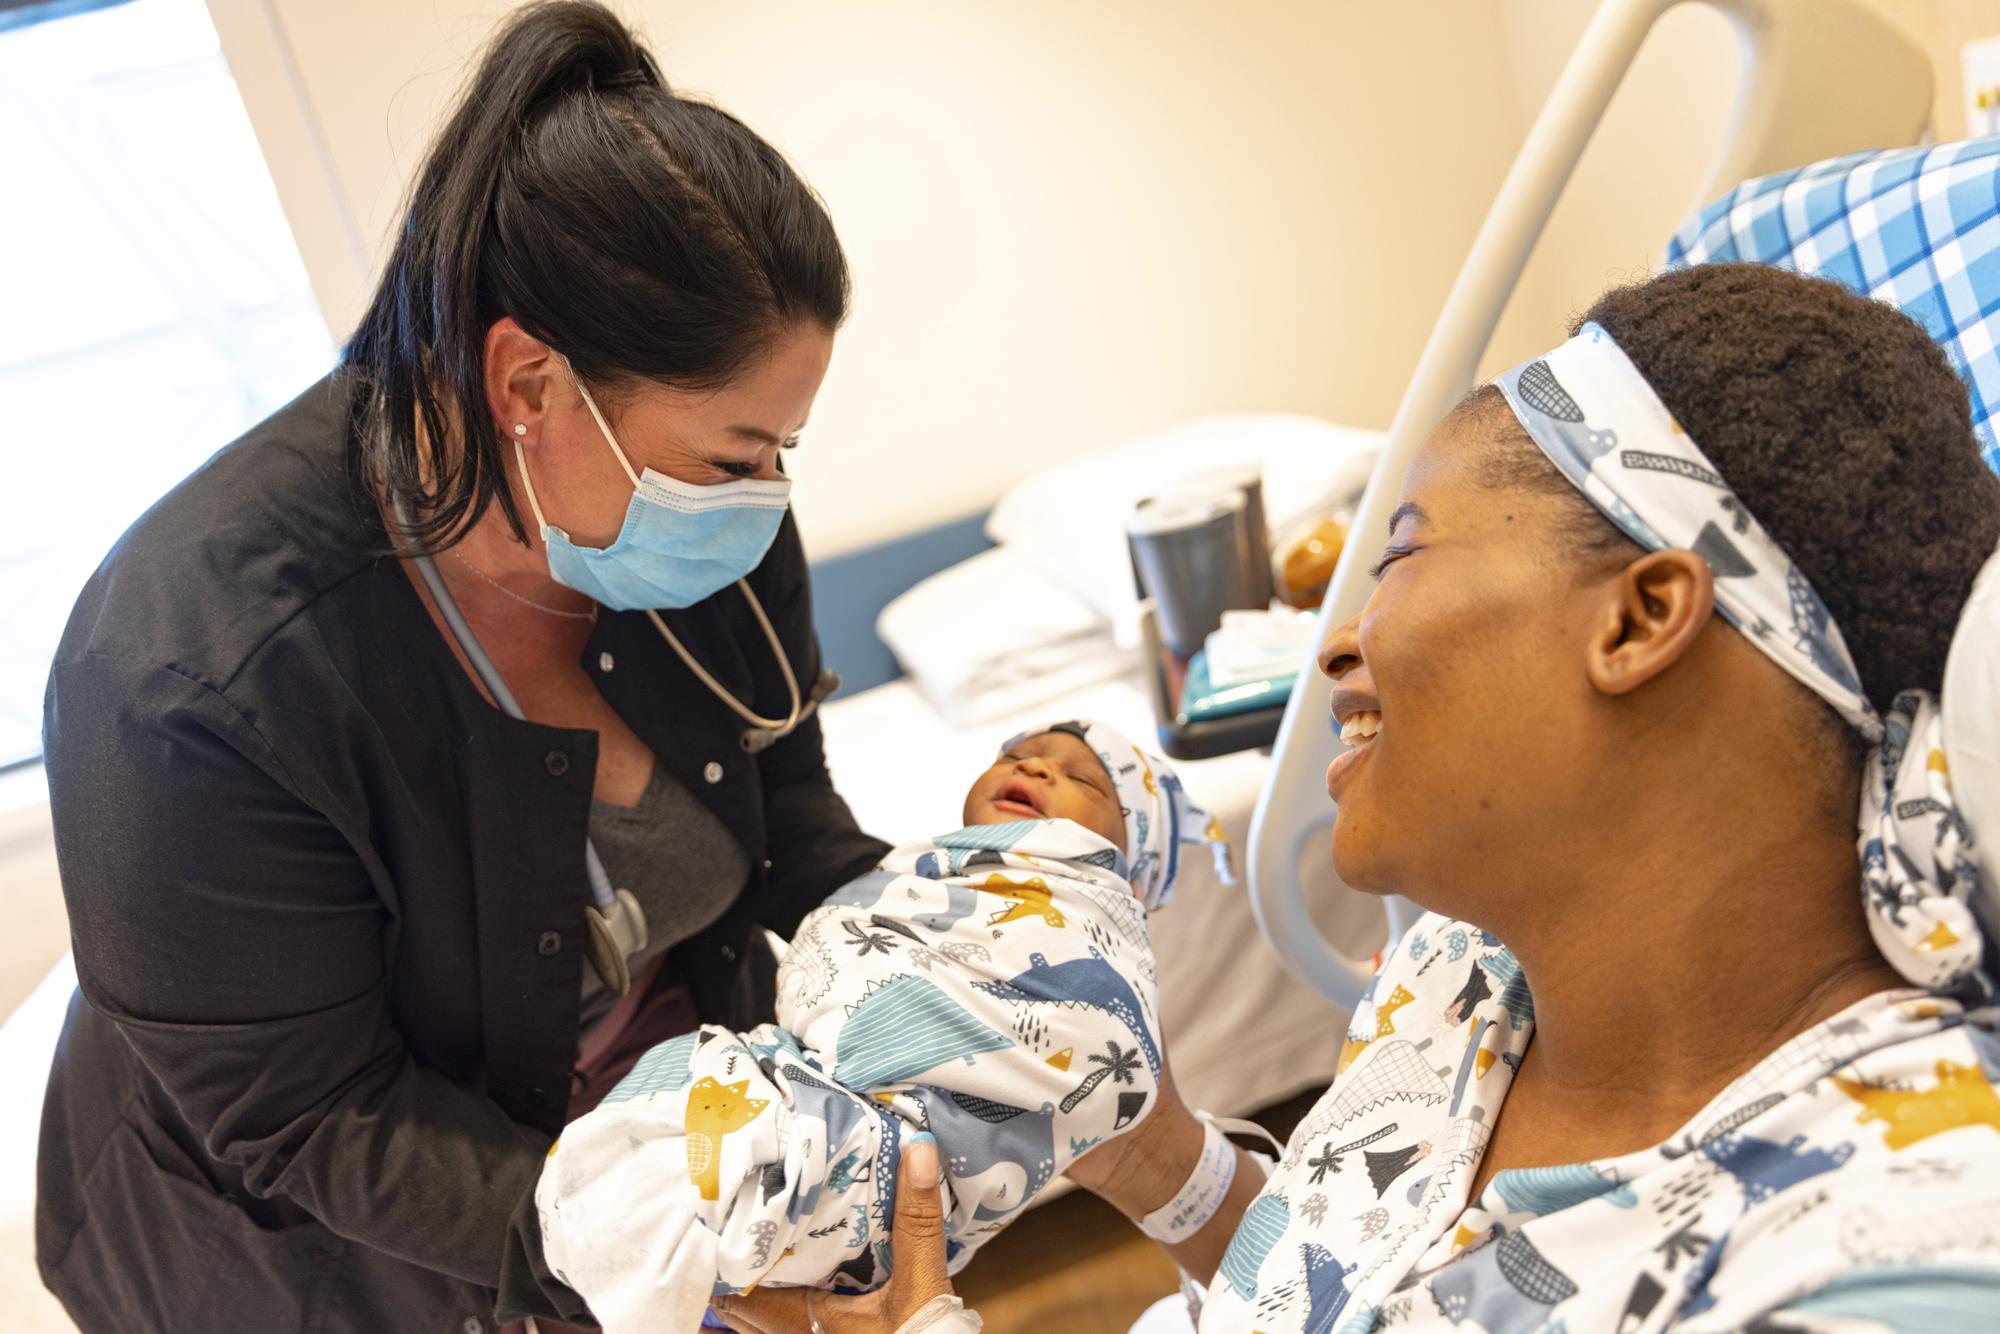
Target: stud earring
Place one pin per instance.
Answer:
(520, 428)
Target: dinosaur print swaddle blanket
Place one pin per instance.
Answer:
(994, 987)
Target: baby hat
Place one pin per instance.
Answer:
(1159, 817)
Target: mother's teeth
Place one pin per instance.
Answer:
(1360, 727)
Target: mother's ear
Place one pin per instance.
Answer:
(1662, 601)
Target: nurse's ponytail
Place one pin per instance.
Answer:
(643, 235)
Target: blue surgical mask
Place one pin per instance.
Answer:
(679, 543)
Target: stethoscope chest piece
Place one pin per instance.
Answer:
(615, 935)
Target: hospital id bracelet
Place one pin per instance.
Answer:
(1196, 1201)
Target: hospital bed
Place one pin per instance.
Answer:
(1042, 628)
(1818, 79)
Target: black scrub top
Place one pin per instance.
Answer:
(327, 907)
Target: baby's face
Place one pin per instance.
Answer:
(1054, 776)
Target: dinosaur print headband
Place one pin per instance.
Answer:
(1590, 410)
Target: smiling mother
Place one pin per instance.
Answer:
(1660, 612)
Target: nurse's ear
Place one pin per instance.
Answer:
(520, 371)
(1655, 609)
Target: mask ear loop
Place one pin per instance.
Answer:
(521, 457)
(528, 483)
(602, 425)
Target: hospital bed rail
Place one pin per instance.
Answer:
(1817, 78)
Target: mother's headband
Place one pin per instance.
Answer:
(1598, 420)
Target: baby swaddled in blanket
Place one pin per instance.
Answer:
(994, 987)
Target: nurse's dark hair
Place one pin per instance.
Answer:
(644, 235)
(1840, 425)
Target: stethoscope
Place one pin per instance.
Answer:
(616, 922)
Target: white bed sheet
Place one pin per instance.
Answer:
(1241, 1032)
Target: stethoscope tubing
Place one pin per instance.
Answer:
(765, 730)
(601, 892)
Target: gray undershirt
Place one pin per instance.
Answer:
(677, 859)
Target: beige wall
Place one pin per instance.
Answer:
(1067, 222)
(1652, 151)
(1071, 222)
(1942, 27)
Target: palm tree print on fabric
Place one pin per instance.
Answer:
(867, 942)
(1119, 1065)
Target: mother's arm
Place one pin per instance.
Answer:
(1146, 1167)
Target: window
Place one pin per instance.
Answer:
(152, 302)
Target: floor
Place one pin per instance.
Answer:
(1076, 1266)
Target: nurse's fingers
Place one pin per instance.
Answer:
(766, 1311)
(917, 1249)
(917, 1242)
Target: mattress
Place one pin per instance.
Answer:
(1241, 1032)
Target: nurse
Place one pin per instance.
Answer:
(448, 739)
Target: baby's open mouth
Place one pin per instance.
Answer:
(1358, 729)
(1020, 794)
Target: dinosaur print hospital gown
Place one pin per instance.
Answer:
(994, 987)
(1850, 1181)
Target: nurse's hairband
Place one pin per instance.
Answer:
(1933, 781)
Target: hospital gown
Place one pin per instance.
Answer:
(994, 987)
(1850, 1175)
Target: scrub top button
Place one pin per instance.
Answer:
(473, 1325)
(713, 773)
(556, 762)
(729, 953)
(550, 944)
(605, 662)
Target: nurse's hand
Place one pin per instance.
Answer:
(916, 1248)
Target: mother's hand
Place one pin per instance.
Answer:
(1143, 1169)
(916, 1248)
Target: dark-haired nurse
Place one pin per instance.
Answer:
(343, 973)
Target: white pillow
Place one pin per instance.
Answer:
(992, 636)
(1068, 520)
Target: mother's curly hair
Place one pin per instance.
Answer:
(1839, 424)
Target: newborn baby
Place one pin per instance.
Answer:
(993, 987)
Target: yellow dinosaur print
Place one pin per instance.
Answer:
(1961, 1097)
(715, 1110)
(1061, 1059)
(1385, 1010)
(1031, 899)
(1941, 938)
(1152, 788)
(1350, 1049)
